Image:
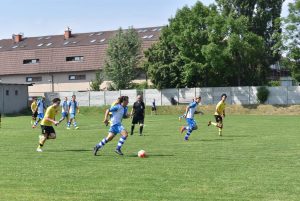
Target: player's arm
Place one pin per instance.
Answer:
(186, 111)
(51, 120)
(105, 121)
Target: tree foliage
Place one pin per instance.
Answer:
(292, 38)
(204, 47)
(123, 55)
(95, 84)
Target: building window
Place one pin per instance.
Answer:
(16, 92)
(7, 92)
(31, 61)
(75, 58)
(76, 77)
(33, 79)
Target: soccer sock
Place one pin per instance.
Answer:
(141, 129)
(74, 123)
(36, 122)
(69, 124)
(213, 123)
(102, 143)
(188, 134)
(132, 128)
(220, 131)
(121, 142)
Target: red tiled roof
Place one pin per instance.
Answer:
(53, 50)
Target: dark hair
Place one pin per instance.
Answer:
(55, 100)
(123, 98)
(224, 95)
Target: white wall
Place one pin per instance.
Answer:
(236, 95)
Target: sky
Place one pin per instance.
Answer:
(51, 17)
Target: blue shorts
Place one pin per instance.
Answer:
(64, 114)
(115, 129)
(40, 115)
(72, 115)
(191, 122)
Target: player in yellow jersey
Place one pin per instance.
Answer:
(33, 110)
(48, 131)
(219, 114)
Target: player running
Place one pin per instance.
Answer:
(48, 131)
(189, 115)
(138, 114)
(219, 114)
(64, 110)
(33, 107)
(41, 106)
(119, 111)
(73, 107)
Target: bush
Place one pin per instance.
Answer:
(262, 94)
(274, 83)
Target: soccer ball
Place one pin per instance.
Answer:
(142, 154)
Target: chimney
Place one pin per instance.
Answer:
(68, 33)
(17, 37)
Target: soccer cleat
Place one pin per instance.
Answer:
(186, 139)
(39, 150)
(182, 128)
(96, 149)
(118, 151)
(209, 123)
(179, 118)
(76, 128)
(33, 126)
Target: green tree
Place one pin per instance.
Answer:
(123, 55)
(264, 20)
(292, 38)
(95, 84)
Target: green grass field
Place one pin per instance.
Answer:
(258, 158)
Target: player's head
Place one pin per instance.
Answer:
(223, 97)
(139, 98)
(197, 99)
(73, 97)
(43, 98)
(34, 98)
(66, 98)
(124, 100)
(56, 101)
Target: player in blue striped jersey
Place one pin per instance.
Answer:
(73, 109)
(119, 111)
(41, 107)
(190, 110)
(64, 110)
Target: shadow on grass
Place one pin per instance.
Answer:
(218, 139)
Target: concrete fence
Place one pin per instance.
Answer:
(284, 95)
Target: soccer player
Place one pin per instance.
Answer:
(190, 110)
(41, 106)
(138, 114)
(119, 112)
(64, 110)
(48, 131)
(73, 107)
(153, 107)
(33, 110)
(219, 114)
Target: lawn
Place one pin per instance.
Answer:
(258, 158)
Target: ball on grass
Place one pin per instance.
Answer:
(142, 154)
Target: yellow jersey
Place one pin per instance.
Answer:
(33, 106)
(50, 113)
(220, 108)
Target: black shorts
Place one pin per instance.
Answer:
(34, 114)
(218, 118)
(153, 108)
(47, 129)
(139, 119)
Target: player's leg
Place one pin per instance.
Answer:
(70, 121)
(105, 140)
(134, 121)
(46, 132)
(141, 122)
(40, 116)
(184, 128)
(192, 126)
(122, 139)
